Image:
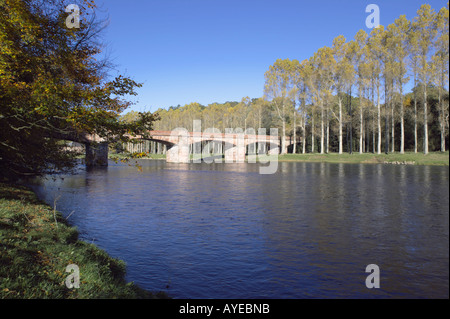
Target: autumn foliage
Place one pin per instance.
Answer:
(54, 83)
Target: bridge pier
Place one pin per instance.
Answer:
(96, 154)
(178, 154)
(274, 151)
(235, 154)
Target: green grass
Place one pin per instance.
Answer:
(435, 158)
(121, 156)
(36, 246)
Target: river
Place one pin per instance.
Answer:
(225, 231)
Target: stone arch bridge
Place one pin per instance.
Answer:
(180, 144)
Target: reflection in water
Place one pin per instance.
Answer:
(308, 231)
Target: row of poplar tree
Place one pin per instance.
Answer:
(386, 91)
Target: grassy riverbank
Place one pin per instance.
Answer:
(435, 158)
(36, 246)
(121, 156)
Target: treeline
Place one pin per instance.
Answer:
(350, 96)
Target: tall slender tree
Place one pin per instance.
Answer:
(441, 68)
(304, 71)
(413, 50)
(322, 63)
(375, 45)
(358, 48)
(424, 27)
(277, 86)
(342, 77)
(398, 31)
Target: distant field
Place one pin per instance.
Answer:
(435, 158)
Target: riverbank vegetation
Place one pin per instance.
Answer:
(382, 92)
(54, 85)
(36, 246)
(409, 158)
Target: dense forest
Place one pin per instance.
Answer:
(386, 91)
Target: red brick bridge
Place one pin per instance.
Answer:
(181, 144)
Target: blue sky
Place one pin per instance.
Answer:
(209, 51)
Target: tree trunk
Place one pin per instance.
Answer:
(340, 127)
(304, 135)
(321, 131)
(379, 121)
(294, 147)
(361, 131)
(392, 120)
(367, 136)
(415, 113)
(351, 123)
(373, 134)
(415, 124)
(402, 124)
(425, 120)
(283, 141)
(441, 121)
(373, 120)
(386, 119)
(392, 128)
(328, 134)
(312, 135)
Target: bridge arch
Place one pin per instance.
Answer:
(95, 147)
(148, 145)
(261, 147)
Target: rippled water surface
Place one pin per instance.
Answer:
(308, 231)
